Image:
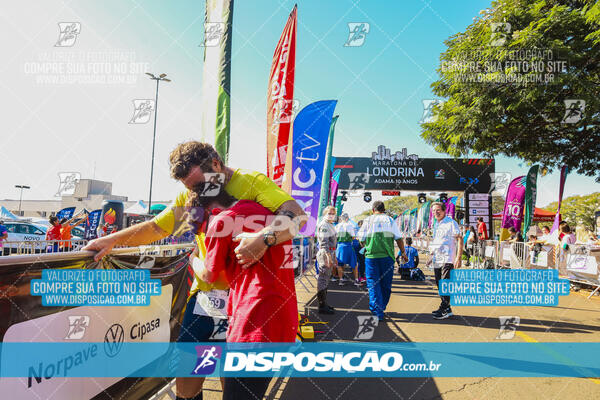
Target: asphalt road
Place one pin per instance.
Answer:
(408, 319)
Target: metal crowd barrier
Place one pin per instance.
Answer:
(578, 263)
(41, 246)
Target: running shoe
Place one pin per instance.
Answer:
(343, 282)
(334, 279)
(357, 283)
(447, 313)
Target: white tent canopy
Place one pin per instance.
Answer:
(139, 208)
(5, 214)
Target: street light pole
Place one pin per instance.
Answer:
(21, 196)
(161, 77)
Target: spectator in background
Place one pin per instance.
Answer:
(53, 233)
(568, 237)
(545, 230)
(482, 231)
(411, 254)
(560, 230)
(65, 232)
(515, 236)
(3, 237)
(531, 241)
(360, 256)
(471, 242)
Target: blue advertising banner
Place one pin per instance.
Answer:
(309, 147)
(91, 225)
(66, 213)
(116, 358)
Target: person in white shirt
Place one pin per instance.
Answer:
(378, 233)
(446, 249)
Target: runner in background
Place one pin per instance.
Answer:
(192, 163)
(345, 252)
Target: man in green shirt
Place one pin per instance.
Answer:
(378, 234)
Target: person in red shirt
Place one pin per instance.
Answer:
(54, 232)
(262, 304)
(482, 232)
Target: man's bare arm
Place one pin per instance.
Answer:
(400, 244)
(144, 233)
(290, 219)
(286, 230)
(459, 251)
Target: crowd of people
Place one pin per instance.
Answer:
(59, 233)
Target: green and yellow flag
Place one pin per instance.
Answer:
(216, 75)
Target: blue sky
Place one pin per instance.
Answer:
(83, 127)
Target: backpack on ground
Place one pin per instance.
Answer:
(416, 274)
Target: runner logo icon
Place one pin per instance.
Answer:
(68, 33)
(358, 33)
(77, 326)
(366, 327)
(508, 327)
(207, 359)
(113, 340)
(220, 329)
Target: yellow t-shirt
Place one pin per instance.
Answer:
(243, 185)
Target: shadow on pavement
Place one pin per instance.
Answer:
(358, 389)
(350, 303)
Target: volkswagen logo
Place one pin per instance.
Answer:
(113, 340)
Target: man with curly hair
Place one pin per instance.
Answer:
(195, 164)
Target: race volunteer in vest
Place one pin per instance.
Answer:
(262, 300)
(345, 252)
(195, 163)
(378, 233)
(446, 249)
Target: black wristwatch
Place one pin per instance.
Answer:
(269, 238)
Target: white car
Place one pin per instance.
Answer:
(24, 232)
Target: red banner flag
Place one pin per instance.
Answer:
(280, 100)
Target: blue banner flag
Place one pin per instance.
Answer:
(91, 225)
(309, 147)
(65, 213)
(113, 358)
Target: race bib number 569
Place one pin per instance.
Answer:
(212, 304)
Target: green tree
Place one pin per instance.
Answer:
(578, 210)
(488, 114)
